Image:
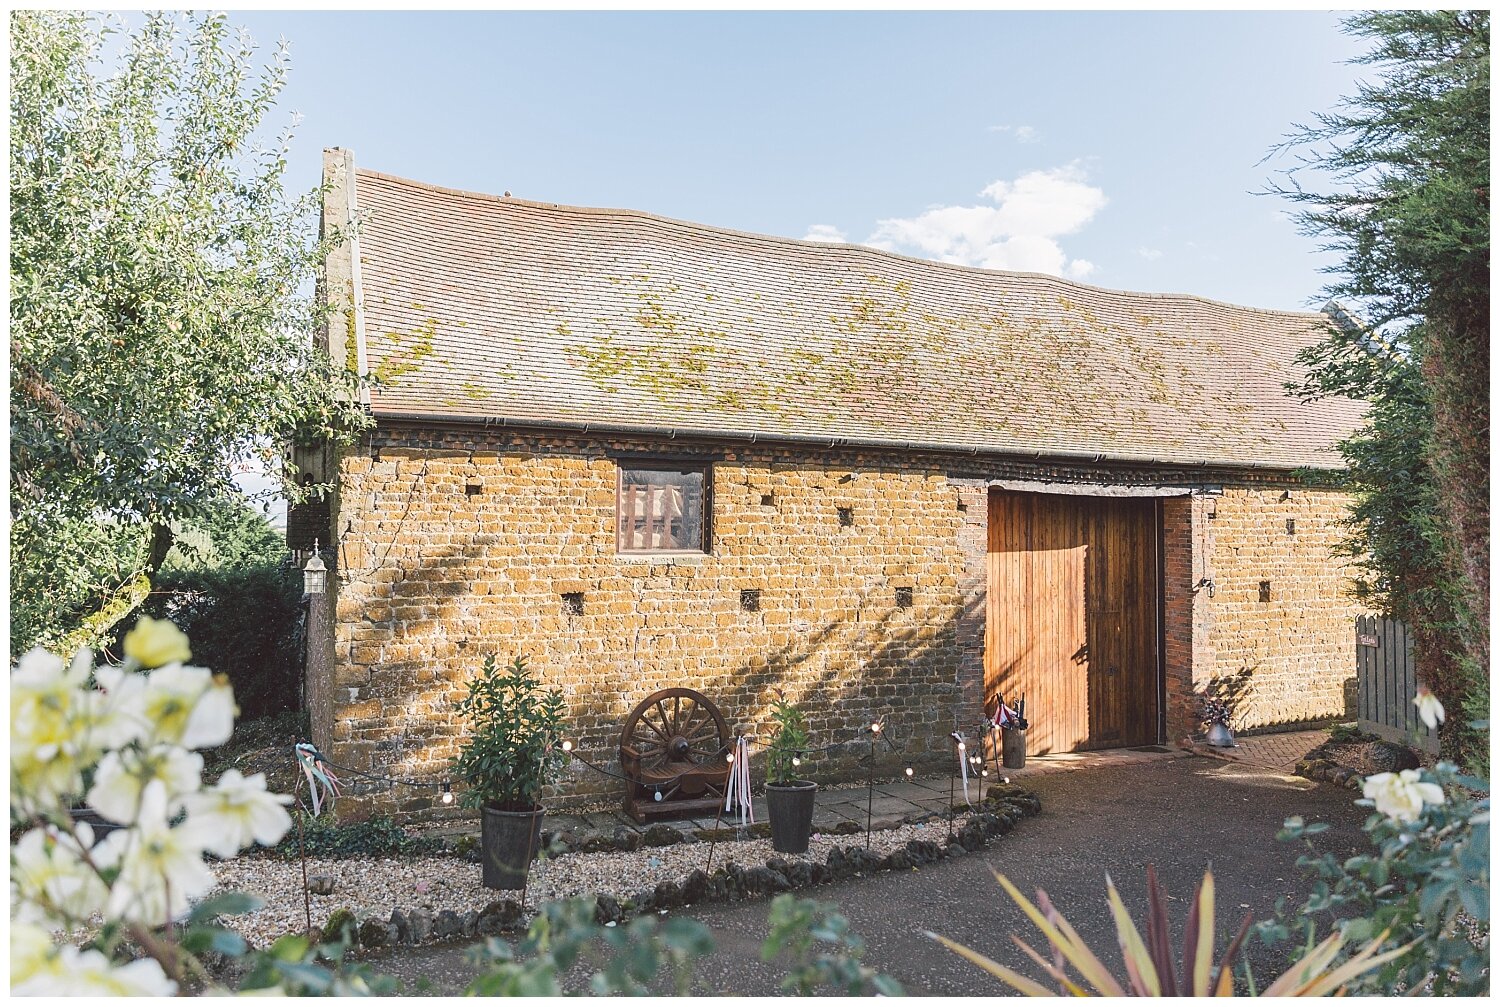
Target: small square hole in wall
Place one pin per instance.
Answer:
(573, 602)
(473, 489)
(903, 597)
(768, 500)
(963, 508)
(846, 517)
(1265, 590)
(1291, 526)
(750, 599)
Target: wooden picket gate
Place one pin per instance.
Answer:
(1388, 682)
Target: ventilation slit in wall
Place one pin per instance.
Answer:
(750, 599)
(473, 489)
(1265, 590)
(963, 508)
(573, 602)
(903, 597)
(1291, 526)
(846, 517)
(768, 500)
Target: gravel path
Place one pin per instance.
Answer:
(1179, 814)
(373, 887)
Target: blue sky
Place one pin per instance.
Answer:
(1117, 148)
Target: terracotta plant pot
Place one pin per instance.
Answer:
(790, 806)
(509, 840)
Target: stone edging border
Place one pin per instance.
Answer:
(1002, 807)
(1316, 766)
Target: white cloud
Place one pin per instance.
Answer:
(1022, 134)
(826, 233)
(1149, 254)
(1019, 231)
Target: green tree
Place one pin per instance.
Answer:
(161, 308)
(1402, 195)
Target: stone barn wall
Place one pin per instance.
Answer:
(1277, 636)
(449, 555)
(454, 543)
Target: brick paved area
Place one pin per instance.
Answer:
(1279, 752)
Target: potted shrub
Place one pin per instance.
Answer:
(789, 800)
(514, 742)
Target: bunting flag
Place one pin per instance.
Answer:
(737, 793)
(963, 761)
(320, 779)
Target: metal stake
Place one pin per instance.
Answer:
(870, 792)
(718, 818)
(952, 781)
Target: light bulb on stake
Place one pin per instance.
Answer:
(567, 746)
(908, 771)
(729, 757)
(875, 727)
(447, 793)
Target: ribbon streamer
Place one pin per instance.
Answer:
(737, 793)
(963, 762)
(320, 779)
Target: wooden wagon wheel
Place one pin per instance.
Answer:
(675, 730)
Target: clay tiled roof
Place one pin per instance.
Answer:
(487, 307)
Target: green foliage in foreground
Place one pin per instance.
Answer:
(566, 951)
(1425, 883)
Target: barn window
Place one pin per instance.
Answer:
(662, 507)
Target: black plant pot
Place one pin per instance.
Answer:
(791, 808)
(1013, 748)
(508, 841)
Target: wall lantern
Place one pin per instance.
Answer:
(315, 573)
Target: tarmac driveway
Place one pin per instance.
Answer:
(1180, 814)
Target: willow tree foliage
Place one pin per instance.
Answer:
(161, 308)
(1403, 176)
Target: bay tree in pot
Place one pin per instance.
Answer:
(514, 744)
(789, 800)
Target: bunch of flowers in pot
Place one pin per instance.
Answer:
(789, 799)
(514, 743)
(1216, 715)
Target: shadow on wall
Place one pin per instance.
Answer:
(1234, 691)
(881, 660)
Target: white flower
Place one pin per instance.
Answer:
(189, 706)
(1429, 708)
(50, 881)
(1400, 796)
(118, 712)
(237, 811)
(161, 868)
(122, 777)
(88, 973)
(47, 730)
(42, 702)
(32, 953)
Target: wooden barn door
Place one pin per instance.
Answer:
(1072, 618)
